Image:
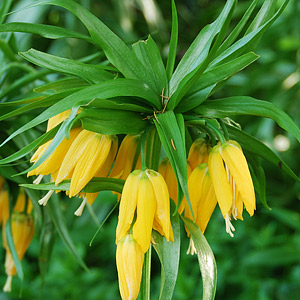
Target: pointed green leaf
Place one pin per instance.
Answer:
(173, 43)
(97, 184)
(148, 54)
(102, 90)
(4, 8)
(243, 105)
(195, 59)
(206, 260)
(114, 48)
(170, 128)
(47, 31)
(169, 254)
(210, 78)
(90, 73)
(109, 121)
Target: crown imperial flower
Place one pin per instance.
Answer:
(146, 193)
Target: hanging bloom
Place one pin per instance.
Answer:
(125, 157)
(146, 193)
(21, 203)
(4, 207)
(166, 170)
(22, 233)
(84, 159)
(232, 181)
(198, 153)
(130, 259)
(53, 162)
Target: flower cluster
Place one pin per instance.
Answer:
(22, 229)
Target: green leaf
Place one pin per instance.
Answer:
(169, 254)
(195, 59)
(170, 128)
(47, 31)
(114, 48)
(243, 105)
(12, 248)
(56, 214)
(97, 184)
(248, 42)
(4, 8)
(206, 260)
(208, 79)
(237, 29)
(148, 54)
(90, 73)
(259, 178)
(102, 90)
(62, 85)
(35, 103)
(29, 78)
(109, 121)
(251, 144)
(173, 43)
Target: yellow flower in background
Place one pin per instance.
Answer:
(22, 233)
(84, 159)
(198, 153)
(130, 259)
(4, 207)
(21, 203)
(232, 181)
(125, 157)
(146, 193)
(166, 170)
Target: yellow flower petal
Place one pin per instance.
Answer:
(90, 162)
(219, 180)
(162, 214)
(198, 153)
(128, 204)
(76, 150)
(146, 207)
(130, 259)
(238, 167)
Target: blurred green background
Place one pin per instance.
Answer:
(262, 261)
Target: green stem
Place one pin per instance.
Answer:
(225, 131)
(145, 288)
(143, 148)
(217, 133)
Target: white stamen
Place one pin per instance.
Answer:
(38, 179)
(45, 199)
(229, 226)
(192, 249)
(79, 211)
(7, 286)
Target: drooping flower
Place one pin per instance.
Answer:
(125, 157)
(166, 170)
(130, 259)
(21, 203)
(198, 153)
(202, 196)
(4, 203)
(22, 233)
(232, 181)
(146, 193)
(84, 159)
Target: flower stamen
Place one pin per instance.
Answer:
(229, 226)
(45, 199)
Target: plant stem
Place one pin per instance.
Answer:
(145, 288)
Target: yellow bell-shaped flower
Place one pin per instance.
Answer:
(22, 233)
(84, 159)
(232, 181)
(198, 153)
(146, 193)
(202, 196)
(130, 259)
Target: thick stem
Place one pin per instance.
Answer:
(145, 286)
